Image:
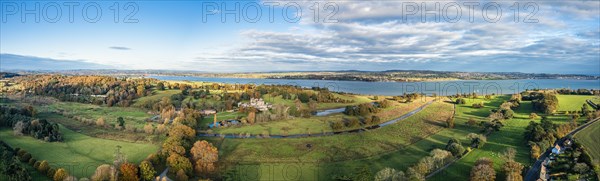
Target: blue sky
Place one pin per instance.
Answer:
(560, 37)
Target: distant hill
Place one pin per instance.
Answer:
(20, 62)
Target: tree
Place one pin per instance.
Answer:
(128, 172)
(100, 122)
(508, 113)
(148, 128)
(413, 175)
(585, 109)
(103, 172)
(147, 171)
(513, 170)
(160, 86)
(44, 166)
(483, 170)
(178, 162)
(461, 101)
(390, 174)
(60, 175)
(121, 121)
(161, 128)
(456, 149)
(477, 140)
(251, 116)
(533, 115)
(535, 151)
(581, 168)
(205, 156)
(181, 176)
(484, 161)
(509, 154)
(18, 128)
(51, 171)
(450, 122)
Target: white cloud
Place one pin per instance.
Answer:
(374, 32)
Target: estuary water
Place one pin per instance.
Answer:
(399, 88)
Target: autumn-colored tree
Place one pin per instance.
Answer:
(161, 128)
(205, 156)
(182, 131)
(103, 172)
(484, 161)
(483, 170)
(148, 128)
(147, 171)
(513, 170)
(171, 146)
(450, 122)
(100, 122)
(178, 162)
(181, 176)
(251, 116)
(128, 172)
(535, 151)
(141, 90)
(533, 115)
(60, 174)
(44, 166)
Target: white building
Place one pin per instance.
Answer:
(259, 104)
(557, 149)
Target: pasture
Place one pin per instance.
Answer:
(589, 139)
(79, 154)
(347, 149)
(572, 102)
(511, 135)
(79, 111)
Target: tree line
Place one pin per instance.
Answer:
(22, 123)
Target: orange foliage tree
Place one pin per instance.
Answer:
(205, 156)
(129, 172)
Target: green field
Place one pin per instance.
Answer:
(131, 115)
(314, 124)
(589, 138)
(397, 145)
(572, 102)
(511, 135)
(596, 99)
(154, 98)
(79, 154)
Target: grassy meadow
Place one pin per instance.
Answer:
(401, 143)
(131, 115)
(315, 124)
(572, 102)
(589, 139)
(511, 135)
(78, 153)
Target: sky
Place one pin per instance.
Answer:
(487, 36)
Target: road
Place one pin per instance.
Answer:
(534, 173)
(164, 175)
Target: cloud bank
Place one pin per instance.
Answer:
(377, 35)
